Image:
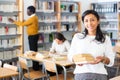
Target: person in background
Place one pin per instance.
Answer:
(94, 42)
(60, 45)
(32, 30)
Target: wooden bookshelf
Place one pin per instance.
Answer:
(11, 37)
(109, 18)
(56, 19)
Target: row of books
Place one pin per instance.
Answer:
(110, 26)
(111, 7)
(4, 19)
(8, 7)
(9, 54)
(49, 19)
(46, 38)
(68, 27)
(43, 6)
(108, 16)
(53, 28)
(8, 43)
(68, 18)
(47, 29)
(49, 6)
(8, 30)
(69, 7)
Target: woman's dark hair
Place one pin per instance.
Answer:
(32, 9)
(99, 35)
(60, 36)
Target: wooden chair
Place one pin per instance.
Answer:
(51, 67)
(30, 74)
(11, 67)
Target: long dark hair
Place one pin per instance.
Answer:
(60, 36)
(99, 35)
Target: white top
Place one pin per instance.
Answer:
(60, 48)
(89, 45)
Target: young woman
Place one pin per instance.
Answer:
(60, 45)
(94, 42)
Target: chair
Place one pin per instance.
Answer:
(30, 74)
(51, 67)
(11, 67)
(112, 71)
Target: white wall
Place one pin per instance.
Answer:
(26, 4)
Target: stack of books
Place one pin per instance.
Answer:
(83, 58)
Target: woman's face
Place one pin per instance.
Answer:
(91, 23)
(58, 41)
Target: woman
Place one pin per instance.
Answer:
(32, 30)
(60, 45)
(94, 42)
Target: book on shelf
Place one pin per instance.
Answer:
(41, 38)
(45, 6)
(11, 42)
(0, 19)
(4, 19)
(68, 18)
(8, 7)
(48, 29)
(8, 54)
(12, 30)
(5, 43)
(7, 30)
(69, 7)
(47, 19)
(2, 31)
(0, 43)
(108, 7)
(1, 55)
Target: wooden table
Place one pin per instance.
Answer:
(62, 63)
(115, 78)
(4, 73)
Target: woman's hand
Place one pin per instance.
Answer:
(10, 20)
(96, 61)
(99, 59)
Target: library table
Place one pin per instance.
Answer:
(4, 73)
(63, 63)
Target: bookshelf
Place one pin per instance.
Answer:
(70, 18)
(57, 16)
(11, 41)
(109, 18)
